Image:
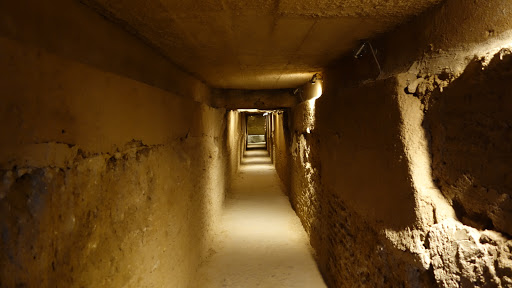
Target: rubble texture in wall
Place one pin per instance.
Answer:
(137, 218)
(350, 183)
(306, 166)
(471, 139)
(412, 183)
(361, 238)
(105, 181)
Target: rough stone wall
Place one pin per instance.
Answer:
(372, 220)
(235, 141)
(136, 218)
(351, 252)
(106, 181)
(349, 183)
(281, 149)
(270, 135)
(363, 144)
(411, 189)
(471, 141)
(305, 165)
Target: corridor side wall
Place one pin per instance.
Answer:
(235, 141)
(107, 180)
(401, 179)
(281, 148)
(349, 181)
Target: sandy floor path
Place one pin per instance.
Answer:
(260, 242)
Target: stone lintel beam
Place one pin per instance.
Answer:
(254, 99)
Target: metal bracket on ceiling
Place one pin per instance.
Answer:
(298, 91)
(361, 51)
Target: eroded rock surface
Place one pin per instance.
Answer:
(461, 256)
(106, 219)
(471, 142)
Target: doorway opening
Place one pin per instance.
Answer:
(256, 131)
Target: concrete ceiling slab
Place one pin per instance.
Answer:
(257, 44)
(355, 8)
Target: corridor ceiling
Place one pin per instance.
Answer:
(256, 44)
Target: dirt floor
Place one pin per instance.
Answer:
(260, 241)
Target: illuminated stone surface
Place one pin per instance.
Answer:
(260, 242)
(117, 144)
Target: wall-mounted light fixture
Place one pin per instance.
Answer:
(315, 78)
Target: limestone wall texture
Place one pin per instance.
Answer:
(401, 176)
(470, 128)
(235, 140)
(109, 178)
(281, 148)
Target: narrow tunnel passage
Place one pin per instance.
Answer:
(125, 158)
(260, 241)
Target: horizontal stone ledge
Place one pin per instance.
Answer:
(253, 99)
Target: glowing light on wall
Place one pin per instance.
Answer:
(309, 115)
(317, 90)
(485, 51)
(488, 50)
(249, 110)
